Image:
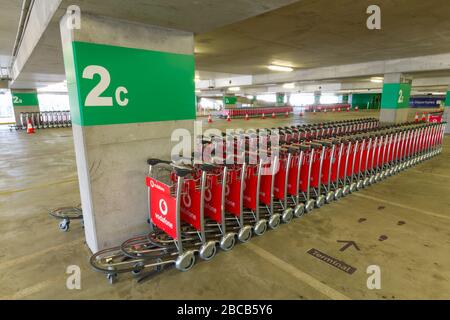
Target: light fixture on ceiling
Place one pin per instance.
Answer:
(250, 97)
(274, 67)
(198, 91)
(289, 85)
(197, 79)
(377, 79)
(234, 89)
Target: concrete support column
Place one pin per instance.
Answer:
(395, 98)
(130, 86)
(280, 99)
(317, 96)
(446, 116)
(24, 101)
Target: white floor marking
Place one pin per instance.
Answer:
(437, 215)
(300, 275)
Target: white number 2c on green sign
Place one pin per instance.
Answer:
(94, 98)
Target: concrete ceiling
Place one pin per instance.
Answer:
(9, 23)
(243, 36)
(190, 15)
(45, 66)
(317, 33)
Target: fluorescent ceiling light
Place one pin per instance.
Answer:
(60, 87)
(198, 91)
(279, 68)
(377, 79)
(289, 85)
(234, 89)
(250, 97)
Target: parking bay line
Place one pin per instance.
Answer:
(437, 215)
(298, 274)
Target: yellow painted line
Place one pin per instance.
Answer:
(7, 192)
(21, 294)
(298, 274)
(28, 257)
(433, 214)
(430, 173)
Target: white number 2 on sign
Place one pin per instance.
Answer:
(94, 99)
(400, 96)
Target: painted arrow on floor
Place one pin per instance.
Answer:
(348, 244)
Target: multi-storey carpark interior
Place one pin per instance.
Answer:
(266, 64)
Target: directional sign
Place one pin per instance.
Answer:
(348, 244)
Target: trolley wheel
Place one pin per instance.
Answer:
(138, 267)
(112, 278)
(228, 241)
(208, 250)
(274, 221)
(366, 182)
(338, 193)
(245, 234)
(64, 225)
(345, 191)
(330, 197)
(320, 201)
(353, 187)
(309, 206)
(360, 185)
(299, 210)
(260, 227)
(287, 215)
(186, 261)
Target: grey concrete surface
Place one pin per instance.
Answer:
(111, 218)
(409, 211)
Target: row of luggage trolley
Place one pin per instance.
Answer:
(197, 208)
(256, 112)
(44, 120)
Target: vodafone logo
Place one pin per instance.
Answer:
(163, 207)
(208, 195)
(187, 201)
(157, 186)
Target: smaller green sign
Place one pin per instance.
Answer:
(229, 100)
(280, 98)
(447, 101)
(24, 99)
(395, 95)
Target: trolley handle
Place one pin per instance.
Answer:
(208, 167)
(325, 143)
(154, 161)
(182, 171)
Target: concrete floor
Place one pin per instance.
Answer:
(409, 211)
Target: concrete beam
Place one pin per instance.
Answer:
(407, 65)
(41, 14)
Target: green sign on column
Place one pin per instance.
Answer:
(280, 98)
(118, 85)
(395, 95)
(447, 100)
(24, 99)
(229, 100)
